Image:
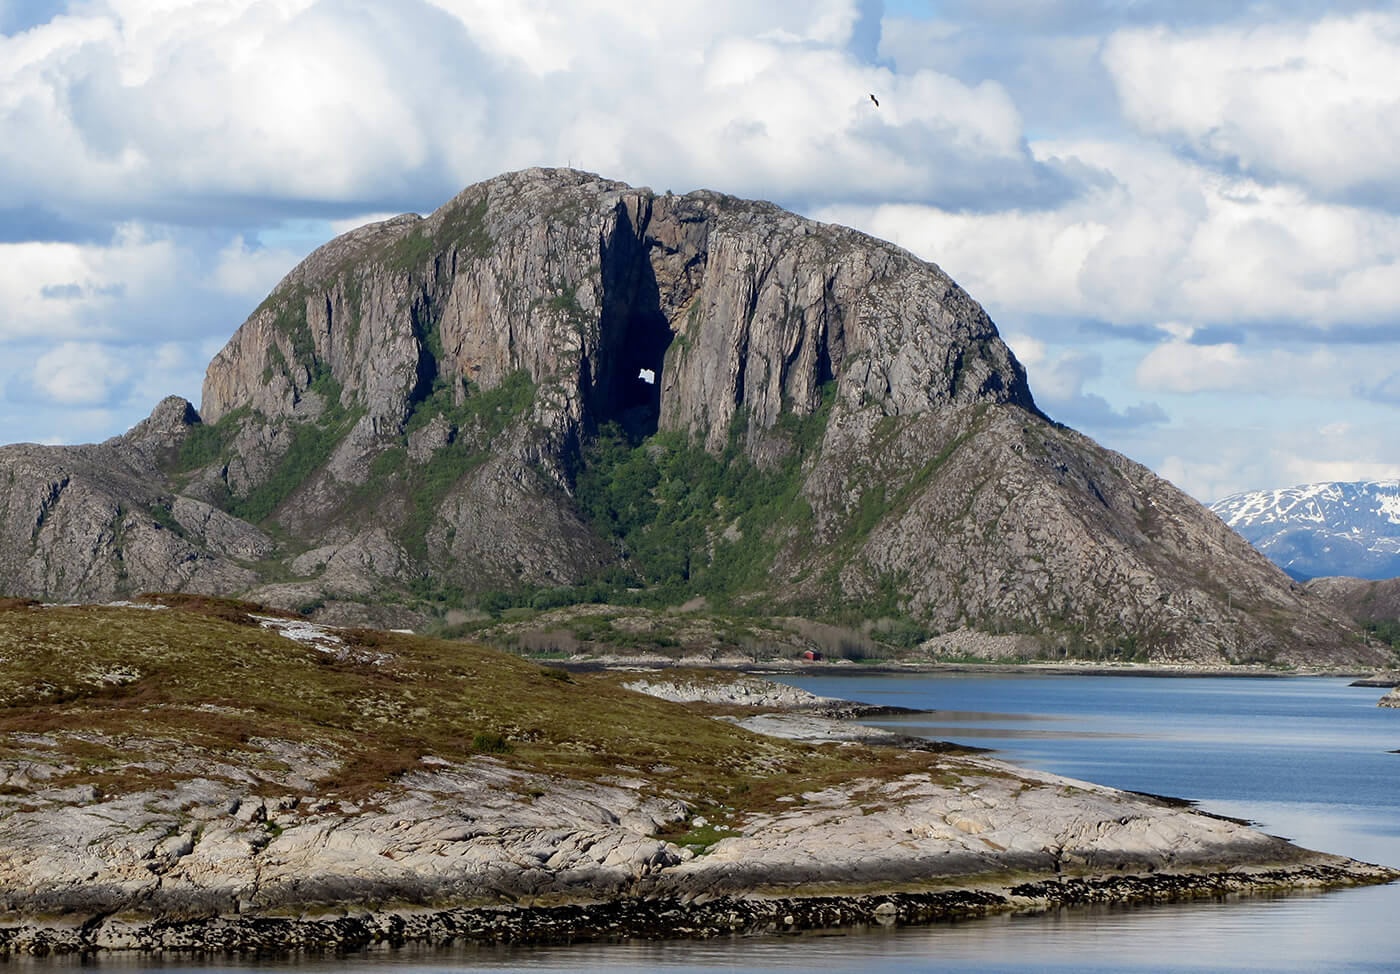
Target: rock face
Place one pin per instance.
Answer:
(735, 691)
(410, 412)
(1317, 530)
(89, 522)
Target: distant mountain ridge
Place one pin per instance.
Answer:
(1317, 530)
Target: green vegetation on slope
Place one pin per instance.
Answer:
(126, 698)
(596, 629)
(477, 420)
(289, 319)
(206, 442)
(311, 441)
(691, 523)
(312, 445)
(464, 229)
(1386, 630)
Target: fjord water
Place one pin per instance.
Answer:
(1305, 758)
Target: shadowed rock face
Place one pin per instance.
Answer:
(412, 406)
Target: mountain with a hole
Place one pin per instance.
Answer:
(561, 390)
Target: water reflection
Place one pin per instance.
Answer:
(948, 731)
(977, 716)
(1300, 932)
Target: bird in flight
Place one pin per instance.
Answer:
(875, 100)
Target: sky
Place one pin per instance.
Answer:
(1183, 216)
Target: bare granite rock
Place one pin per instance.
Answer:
(736, 691)
(91, 522)
(209, 863)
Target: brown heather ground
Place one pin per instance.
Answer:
(126, 698)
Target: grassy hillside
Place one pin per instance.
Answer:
(121, 698)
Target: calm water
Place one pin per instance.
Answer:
(1307, 759)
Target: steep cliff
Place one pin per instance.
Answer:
(428, 409)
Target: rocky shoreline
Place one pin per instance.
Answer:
(275, 809)
(650, 918)
(739, 664)
(485, 854)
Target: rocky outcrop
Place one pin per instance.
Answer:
(1373, 604)
(582, 283)
(728, 690)
(90, 522)
(196, 863)
(480, 849)
(201, 867)
(658, 917)
(410, 412)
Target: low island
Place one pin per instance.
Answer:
(191, 773)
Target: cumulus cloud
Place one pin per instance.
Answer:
(1167, 240)
(251, 272)
(1214, 461)
(79, 374)
(156, 111)
(1315, 103)
(1058, 380)
(94, 334)
(1182, 367)
(79, 390)
(1015, 17)
(67, 290)
(131, 104)
(1029, 350)
(1316, 371)
(763, 99)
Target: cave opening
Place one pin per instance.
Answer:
(635, 335)
(632, 401)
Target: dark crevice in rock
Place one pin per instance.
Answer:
(739, 371)
(634, 332)
(425, 328)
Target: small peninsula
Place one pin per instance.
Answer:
(181, 772)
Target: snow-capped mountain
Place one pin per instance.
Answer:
(1322, 529)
